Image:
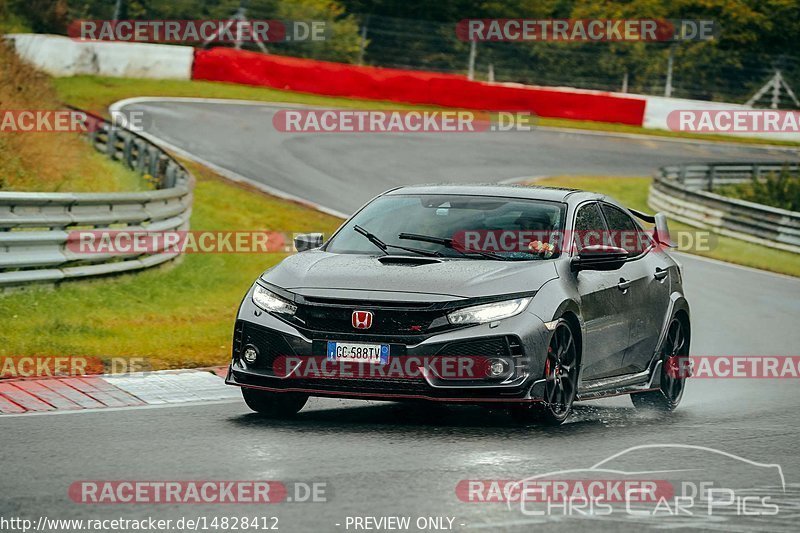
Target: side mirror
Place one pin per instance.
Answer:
(599, 257)
(307, 241)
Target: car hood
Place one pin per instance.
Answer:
(320, 273)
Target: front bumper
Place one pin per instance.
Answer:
(284, 353)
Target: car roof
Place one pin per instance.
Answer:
(529, 192)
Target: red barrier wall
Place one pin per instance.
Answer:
(409, 86)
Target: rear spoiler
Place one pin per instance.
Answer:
(661, 233)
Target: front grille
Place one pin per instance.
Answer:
(487, 347)
(389, 318)
(365, 386)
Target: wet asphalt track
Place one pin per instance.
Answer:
(388, 459)
(342, 171)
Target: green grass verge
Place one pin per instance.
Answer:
(96, 93)
(632, 192)
(63, 165)
(177, 316)
(47, 162)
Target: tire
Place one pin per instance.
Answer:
(561, 381)
(674, 363)
(274, 404)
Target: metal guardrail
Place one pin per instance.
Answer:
(35, 227)
(684, 193)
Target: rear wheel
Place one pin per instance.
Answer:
(561, 381)
(674, 369)
(274, 404)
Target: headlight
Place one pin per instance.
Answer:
(489, 312)
(272, 303)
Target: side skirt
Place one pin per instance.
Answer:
(619, 385)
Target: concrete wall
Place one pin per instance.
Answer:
(62, 56)
(658, 108)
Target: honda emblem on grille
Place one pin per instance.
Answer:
(362, 319)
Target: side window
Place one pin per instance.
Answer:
(623, 231)
(589, 226)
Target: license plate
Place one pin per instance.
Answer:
(358, 352)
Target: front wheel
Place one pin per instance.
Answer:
(674, 369)
(561, 381)
(274, 404)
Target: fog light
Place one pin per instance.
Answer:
(497, 367)
(250, 354)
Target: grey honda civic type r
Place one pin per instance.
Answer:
(522, 298)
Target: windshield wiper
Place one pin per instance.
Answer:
(448, 243)
(371, 237)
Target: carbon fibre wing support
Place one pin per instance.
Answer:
(661, 233)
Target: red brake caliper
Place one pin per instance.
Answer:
(547, 362)
(678, 367)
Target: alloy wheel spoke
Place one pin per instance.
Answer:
(550, 387)
(679, 342)
(562, 337)
(669, 346)
(568, 349)
(569, 384)
(560, 397)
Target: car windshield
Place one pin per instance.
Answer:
(458, 226)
